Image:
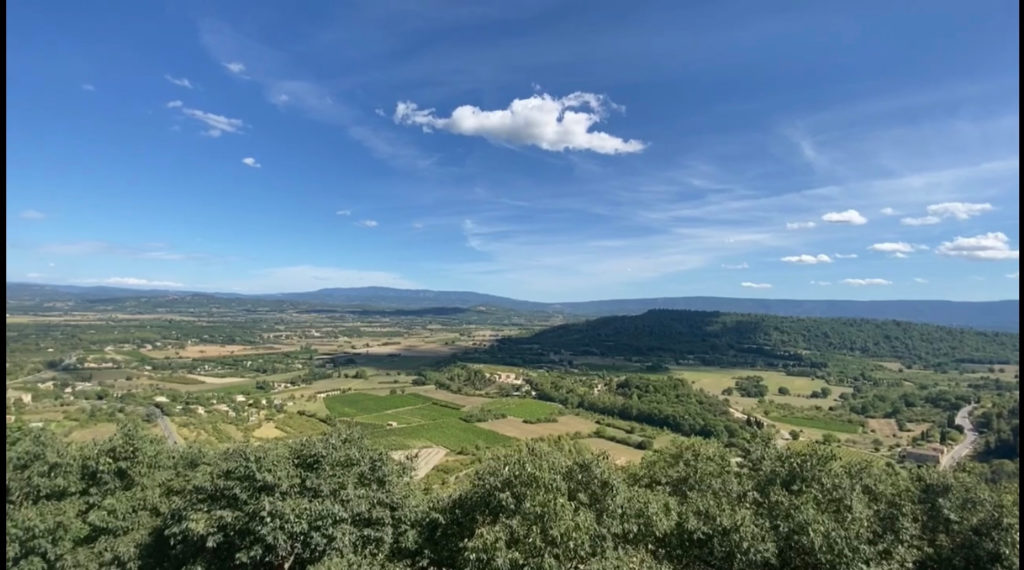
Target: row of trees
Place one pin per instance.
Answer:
(671, 403)
(333, 502)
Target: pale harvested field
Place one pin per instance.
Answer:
(216, 380)
(515, 427)
(884, 427)
(201, 350)
(460, 399)
(620, 454)
(889, 365)
(412, 349)
(267, 431)
(423, 459)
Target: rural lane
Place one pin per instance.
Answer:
(165, 426)
(965, 445)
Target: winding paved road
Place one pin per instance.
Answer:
(970, 438)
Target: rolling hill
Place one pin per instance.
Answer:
(986, 315)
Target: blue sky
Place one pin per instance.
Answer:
(540, 150)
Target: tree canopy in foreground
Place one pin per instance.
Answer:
(336, 502)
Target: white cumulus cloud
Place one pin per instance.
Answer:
(920, 280)
(251, 162)
(179, 81)
(821, 283)
(540, 120)
(750, 285)
(368, 223)
(958, 210)
(993, 246)
(800, 225)
(32, 215)
(866, 282)
(887, 211)
(850, 217)
(742, 265)
(893, 247)
(219, 124)
(808, 259)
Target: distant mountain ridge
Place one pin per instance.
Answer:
(987, 315)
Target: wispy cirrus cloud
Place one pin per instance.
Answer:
(807, 259)
(845, 255)
(177, 103)
(131, 282)
(159, 252)
(343, 213)
(311, 277)
(34, 215)
(236, 67)
(88, 87)
(218, 124)
(752, 285)
(866, 282)
(179, 81)
(368, 223)
(992, 246)
(887, 211)
(543, 121)
(920, 280)
(1014, 275)
(741, 265)
(800, 225)
(849, 217)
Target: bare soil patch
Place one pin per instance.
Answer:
(217, 380)
(423, 459)
(620, 454)
(267, 431)
(515, 427)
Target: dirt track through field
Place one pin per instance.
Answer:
(423, 459)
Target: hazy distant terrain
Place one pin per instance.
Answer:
(987, 315)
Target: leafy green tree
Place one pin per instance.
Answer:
(542, 506)
(784, 391)
(289, 505)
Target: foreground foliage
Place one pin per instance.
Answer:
(336, 502)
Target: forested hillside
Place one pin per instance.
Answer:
(741, 339)
(334, 502)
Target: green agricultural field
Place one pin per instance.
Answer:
(295, 424)
(844, 451)
(816, 423)
(356, 404)
(452, 434)
(523, 408)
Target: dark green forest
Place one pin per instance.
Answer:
(334, 502)
(732, 339)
